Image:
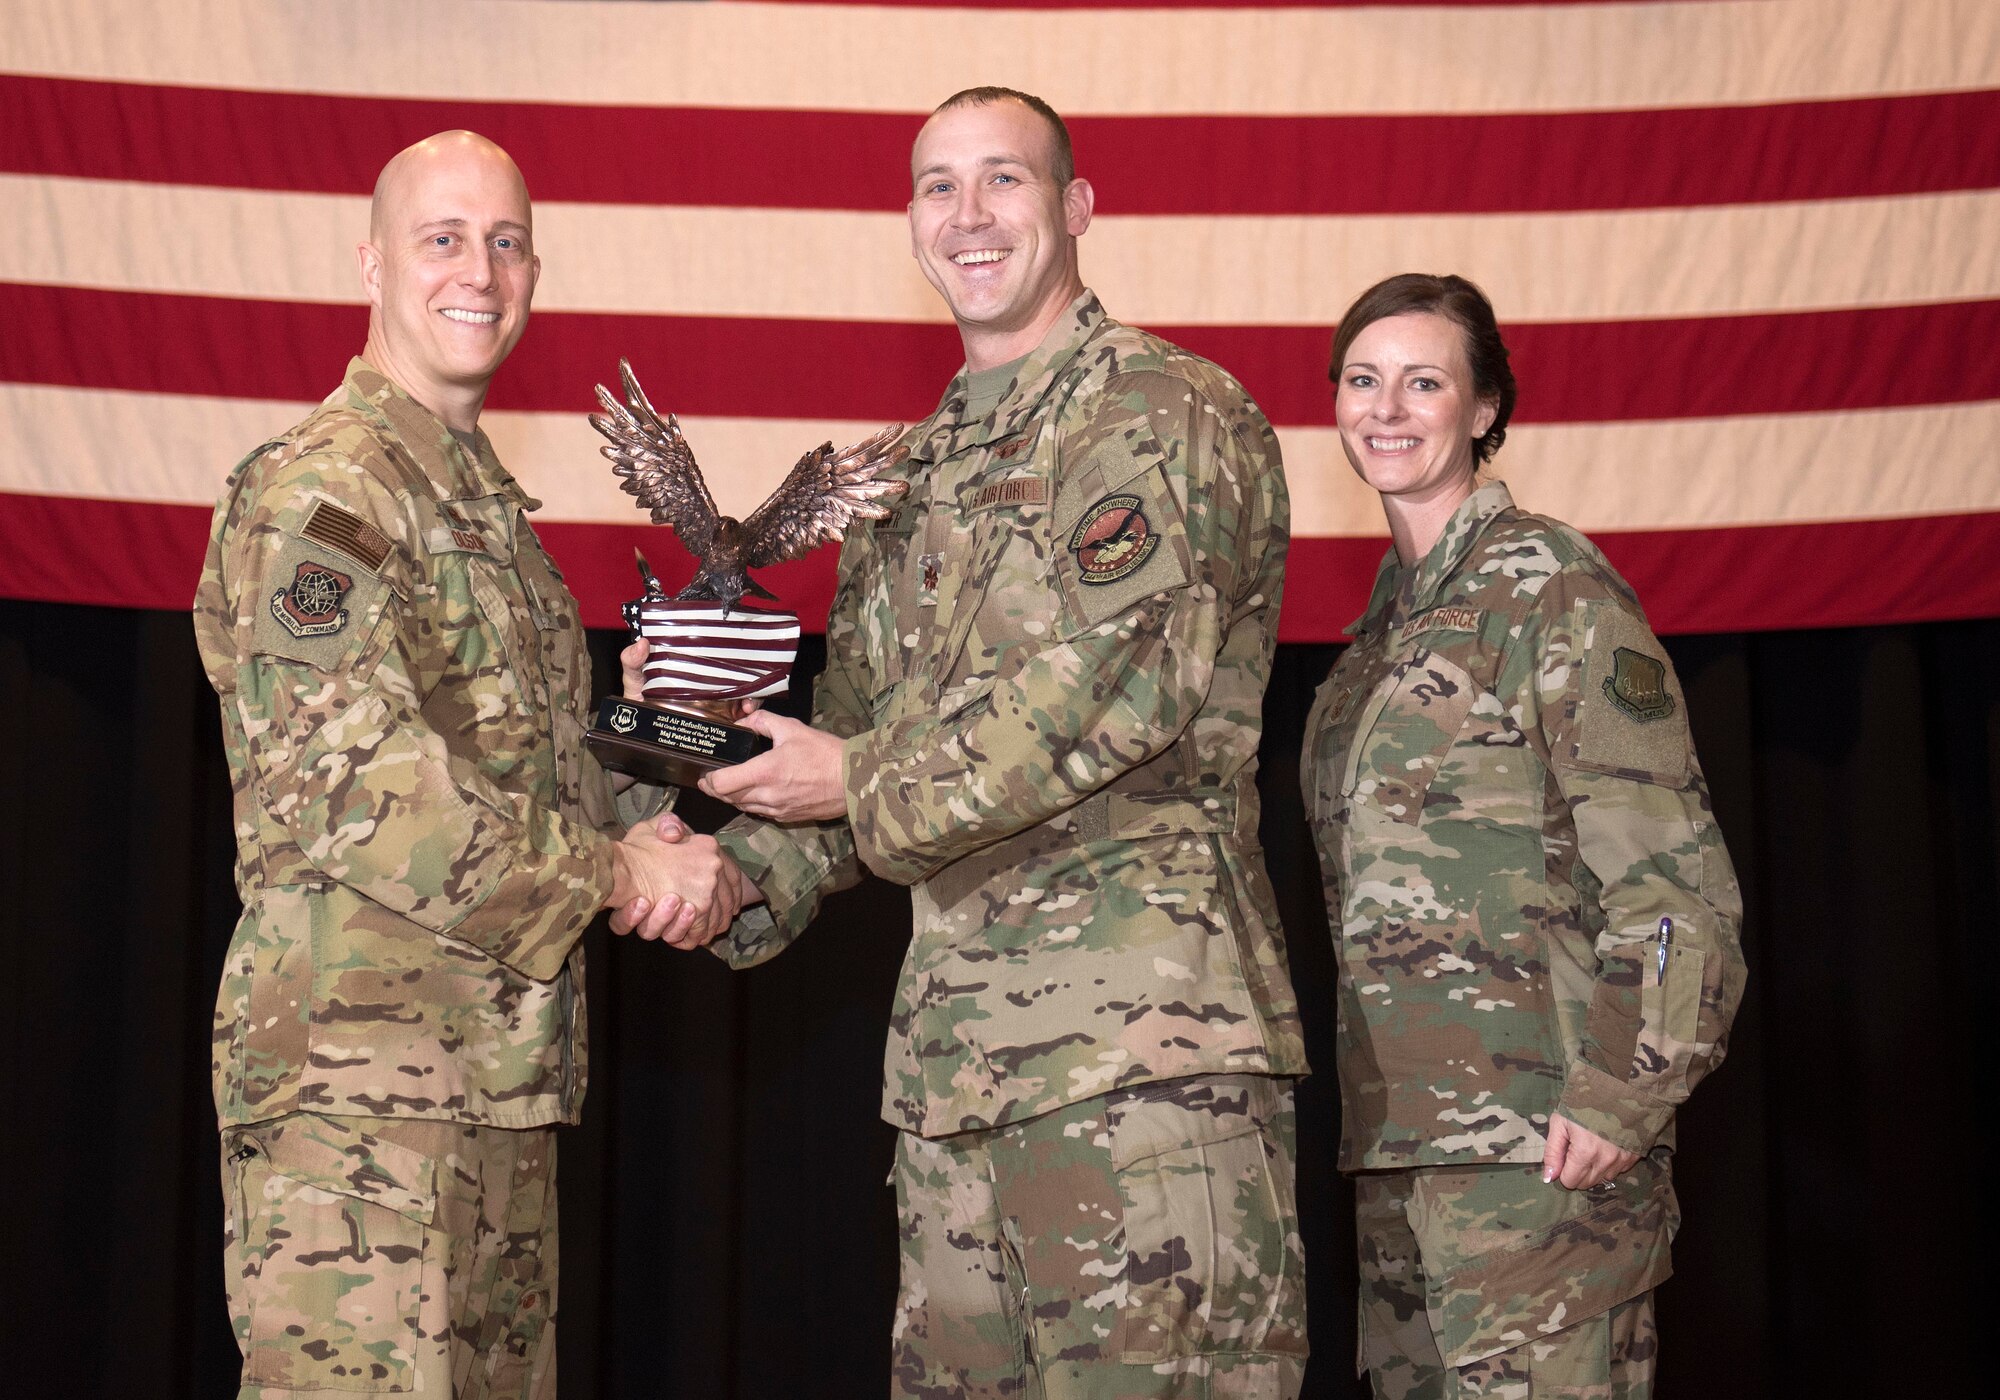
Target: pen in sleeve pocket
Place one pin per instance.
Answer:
(1666, 937)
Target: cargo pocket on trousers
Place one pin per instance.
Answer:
(334, 1225)
(1212, 1256)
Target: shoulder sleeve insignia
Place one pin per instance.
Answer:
(1623, 711)
(1112, 539)
(310, 606)
(1638, 685)
(345, 532)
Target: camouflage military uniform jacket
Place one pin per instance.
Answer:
(1049, 663)
(1507, 804)
(403, 681)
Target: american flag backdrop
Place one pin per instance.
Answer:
(1747, 254)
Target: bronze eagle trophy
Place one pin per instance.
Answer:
(824, 494)
(708, 651)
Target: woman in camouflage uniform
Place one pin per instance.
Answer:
(1535, 915)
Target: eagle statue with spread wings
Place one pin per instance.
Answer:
(825, 493)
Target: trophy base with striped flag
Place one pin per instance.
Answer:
(705, 658)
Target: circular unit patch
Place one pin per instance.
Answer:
(1113, 539)
(310, 607)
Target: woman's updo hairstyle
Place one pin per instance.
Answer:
(1466, 307)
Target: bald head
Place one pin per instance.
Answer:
(449, 153)
(450, 270)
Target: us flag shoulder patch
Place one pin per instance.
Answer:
(342, 530)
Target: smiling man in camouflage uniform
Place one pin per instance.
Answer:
(1041, 712)
(421, 839)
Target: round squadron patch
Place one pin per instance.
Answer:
(310, 607)
(1638, 685)
(1113, 539)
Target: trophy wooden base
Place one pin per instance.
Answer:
(660, 743)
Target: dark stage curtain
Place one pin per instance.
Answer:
(726, 1231)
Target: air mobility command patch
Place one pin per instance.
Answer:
(321, 600)
(1113, 539)
(310, 606)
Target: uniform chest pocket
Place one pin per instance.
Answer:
(558, 645)
(887, 624)
(504, 650)
(1410, 723)
(1320, 777)
(998, 546)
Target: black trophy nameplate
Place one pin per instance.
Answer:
(661, 745)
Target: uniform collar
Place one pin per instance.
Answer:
(1400, 593)
(1038, 374)
(456, 471)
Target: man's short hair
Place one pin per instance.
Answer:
(1063, 165)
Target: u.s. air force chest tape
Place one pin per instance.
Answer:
(322, 590)
(1119, 542)
(1629, 716)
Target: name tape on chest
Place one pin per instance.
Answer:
(456, 535)
(1015, 491)
(1444, 620)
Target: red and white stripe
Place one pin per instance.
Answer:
(703, 651)
(1747, 253)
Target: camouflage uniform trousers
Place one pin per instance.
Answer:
(1137, 1245)
(391, 1255)
(1535, 1282)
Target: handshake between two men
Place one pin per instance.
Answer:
(682, 888)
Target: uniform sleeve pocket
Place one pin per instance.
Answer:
(1670, 1018)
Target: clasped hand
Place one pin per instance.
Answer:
(674, 885)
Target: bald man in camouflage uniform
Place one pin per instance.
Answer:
(1041, 712)
(421, 838)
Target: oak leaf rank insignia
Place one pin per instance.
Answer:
(310, 606)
